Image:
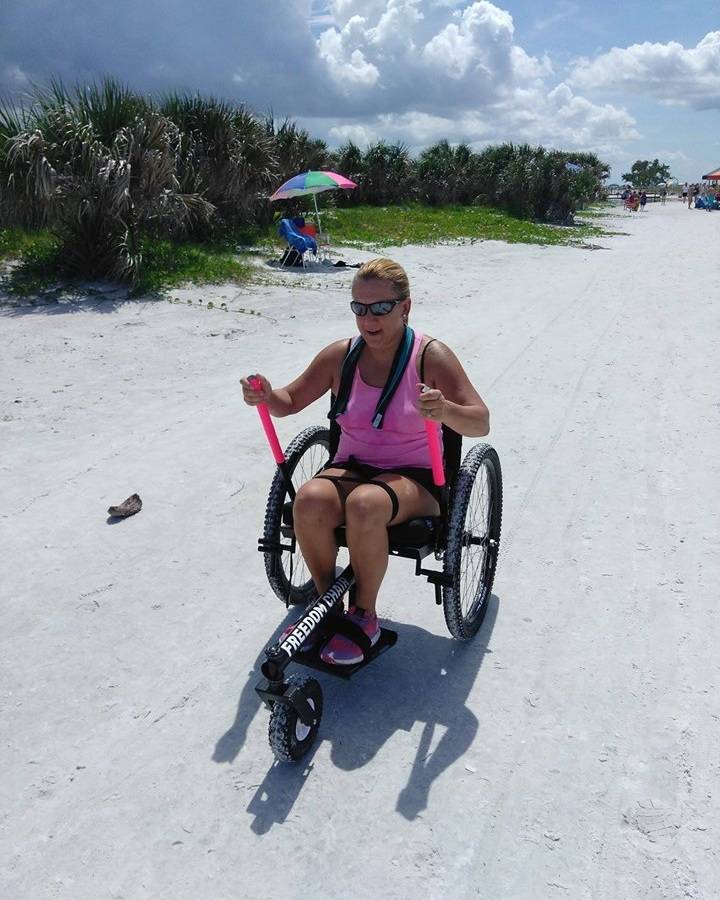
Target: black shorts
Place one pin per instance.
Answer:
(366, 473)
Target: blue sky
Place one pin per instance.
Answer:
(633, 81)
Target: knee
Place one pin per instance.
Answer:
(315, 501)
(368, 507)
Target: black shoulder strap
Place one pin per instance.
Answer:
(399, 364)
(347, 372)
(397, 370)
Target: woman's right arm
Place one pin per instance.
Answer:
(319, 378)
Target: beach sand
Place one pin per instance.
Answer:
(570, 750)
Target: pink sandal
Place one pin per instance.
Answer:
(342, 651)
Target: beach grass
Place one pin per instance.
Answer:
(35, 258)
(168, 263)
(38, 263)
(385, 226)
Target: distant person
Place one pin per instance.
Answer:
(643, 199)
(663, 195)
(685, 191)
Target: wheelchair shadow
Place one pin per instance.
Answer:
(229, 745)
(429, 683)
(425, 678)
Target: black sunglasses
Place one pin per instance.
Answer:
(378, 308)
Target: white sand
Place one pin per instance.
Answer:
(570, 751)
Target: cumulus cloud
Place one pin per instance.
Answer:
(668, 72)
(446, 69)
(424, 55)
(556, 118)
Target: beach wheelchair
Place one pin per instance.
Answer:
(464, 541)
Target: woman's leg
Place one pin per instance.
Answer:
(317, 512)
(368, 512)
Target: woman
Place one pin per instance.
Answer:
(381, 473)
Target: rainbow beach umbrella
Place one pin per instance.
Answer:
(312, 183)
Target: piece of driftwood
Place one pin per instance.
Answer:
(128, 507)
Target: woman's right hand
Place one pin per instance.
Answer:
(259, 391)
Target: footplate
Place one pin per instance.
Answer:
(311, 658)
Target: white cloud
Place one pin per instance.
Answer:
(347, 66)
(671, 73)
(557, 118)
(530, 66)
(425, 56)
(478, 42)
(440, 70)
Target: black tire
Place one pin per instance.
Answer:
(473, 541)
(287, 572)
(289, 737)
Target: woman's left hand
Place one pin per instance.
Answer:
(431, 404)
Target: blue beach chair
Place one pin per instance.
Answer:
(301, 244)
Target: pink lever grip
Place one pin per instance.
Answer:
(432, 430)
(268, 426)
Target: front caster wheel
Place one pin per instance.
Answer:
(290, 737)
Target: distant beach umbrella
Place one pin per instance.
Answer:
(712, 176)
(312, 183)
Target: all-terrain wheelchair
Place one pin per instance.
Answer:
(464, 541)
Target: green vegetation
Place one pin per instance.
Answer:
(36, 256)
(644, 174)
(155, 190)
(168, 264)
(528, 182)
(417, 224)
(18, 243)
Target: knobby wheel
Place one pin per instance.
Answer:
(287, 572)
(290, 738)
(473, 541)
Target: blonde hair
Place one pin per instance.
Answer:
(385, 270)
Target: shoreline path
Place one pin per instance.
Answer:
(569, 751)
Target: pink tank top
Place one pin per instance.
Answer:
(402, 441)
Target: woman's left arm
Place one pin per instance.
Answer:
(451, 399)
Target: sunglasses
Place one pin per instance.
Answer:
(378, 308)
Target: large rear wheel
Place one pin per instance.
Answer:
(287, 572)
(473, 541)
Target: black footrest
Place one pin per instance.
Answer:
(311, 659)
